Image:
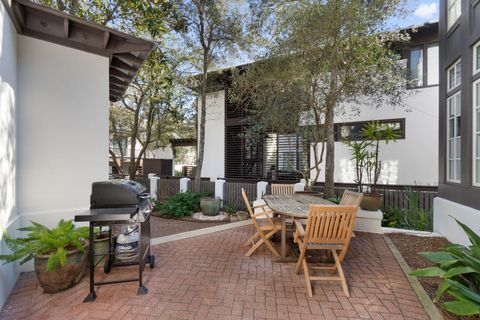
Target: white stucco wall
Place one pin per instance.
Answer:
(444, 214)
(213, 161)
(8, 104)
(62, 129)
(413, 160)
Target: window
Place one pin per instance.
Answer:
(476, 133)
(416, 67)
(454, 75)
(423, 66)
(353, 130)
(432, 65)
(476, 58)
(454, 10)
(454, 139)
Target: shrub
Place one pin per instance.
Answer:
(180, 205)
(55, 242)
(334, 199)
(459, 267)
(229, 209)
(414, 217)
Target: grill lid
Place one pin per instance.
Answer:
(116, 193)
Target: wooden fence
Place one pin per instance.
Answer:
(393, 195)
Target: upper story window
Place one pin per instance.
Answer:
(353, 130)
(416, 67)
(423, 66)
(454, 138)
(476, 58)
(454, 75)
(476, 133)
(454, 10)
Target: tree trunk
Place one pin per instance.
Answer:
(201, 140)
(330, 157)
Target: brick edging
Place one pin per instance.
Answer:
(427, 304)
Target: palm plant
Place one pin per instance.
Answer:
(459, 267)
(41, 240)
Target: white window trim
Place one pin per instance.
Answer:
(476, 68)
(474, 132)
(448, 140)
(448, 76)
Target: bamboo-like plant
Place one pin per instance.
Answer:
(459, 267)
(41, 240)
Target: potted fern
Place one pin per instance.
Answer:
(59, 254)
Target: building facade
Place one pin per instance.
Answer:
(459, 122)
(411, 160)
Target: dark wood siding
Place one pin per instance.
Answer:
(454, 44)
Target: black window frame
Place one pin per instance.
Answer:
(425, 46)
(338, 126)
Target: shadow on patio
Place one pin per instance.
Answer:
(208, 277)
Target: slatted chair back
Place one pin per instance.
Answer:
(252, 212)
(282, 189)
(330, 225)
(351, 198)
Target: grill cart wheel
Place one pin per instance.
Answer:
(108, 265)
(151, 261)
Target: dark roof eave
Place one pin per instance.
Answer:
(126, 53)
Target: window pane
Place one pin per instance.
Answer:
(477, 94)
(457, 170)
(477, 57)
(478, 120)
(477, 172)
(458, 129)
(450, 149)
(451, 78)
(477, 151)
(457, 147)
(458, 74)
(450, 169)
(451, 129)
(416, 67)
(432, 65)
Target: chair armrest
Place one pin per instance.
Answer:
(299, 227)
(263, 213)
(260, 206)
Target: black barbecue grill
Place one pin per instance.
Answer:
(113, 204)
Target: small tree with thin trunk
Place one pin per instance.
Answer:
(214, 29)
(337, 53)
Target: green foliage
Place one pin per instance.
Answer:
(413, 217)
(182, 204)
(366, 152)
(334, 199)
(42, 240)
(459, 267)
(229, 209)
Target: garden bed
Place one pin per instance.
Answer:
(409, 246)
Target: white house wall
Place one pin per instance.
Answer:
(214, 155)
(62, 129)
(8, 108)
(413, 160)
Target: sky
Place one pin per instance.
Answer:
(420, 11)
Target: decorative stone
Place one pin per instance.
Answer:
(222, 216)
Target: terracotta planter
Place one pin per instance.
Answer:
(242, 215)
(62, 277)
(371, 202)
(210, 206)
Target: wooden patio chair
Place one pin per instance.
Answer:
(328, 228)
(282, 189)
(266, 226)
(351, 198)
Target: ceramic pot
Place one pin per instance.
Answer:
(210, 206)
(371, 201)
(242, 215)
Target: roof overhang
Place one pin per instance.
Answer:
(125, 52)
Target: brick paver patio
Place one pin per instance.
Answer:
(207, 277)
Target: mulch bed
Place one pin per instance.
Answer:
(409, 246)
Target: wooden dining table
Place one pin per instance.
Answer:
(291, 206)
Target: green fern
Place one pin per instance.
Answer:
(54, 242)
